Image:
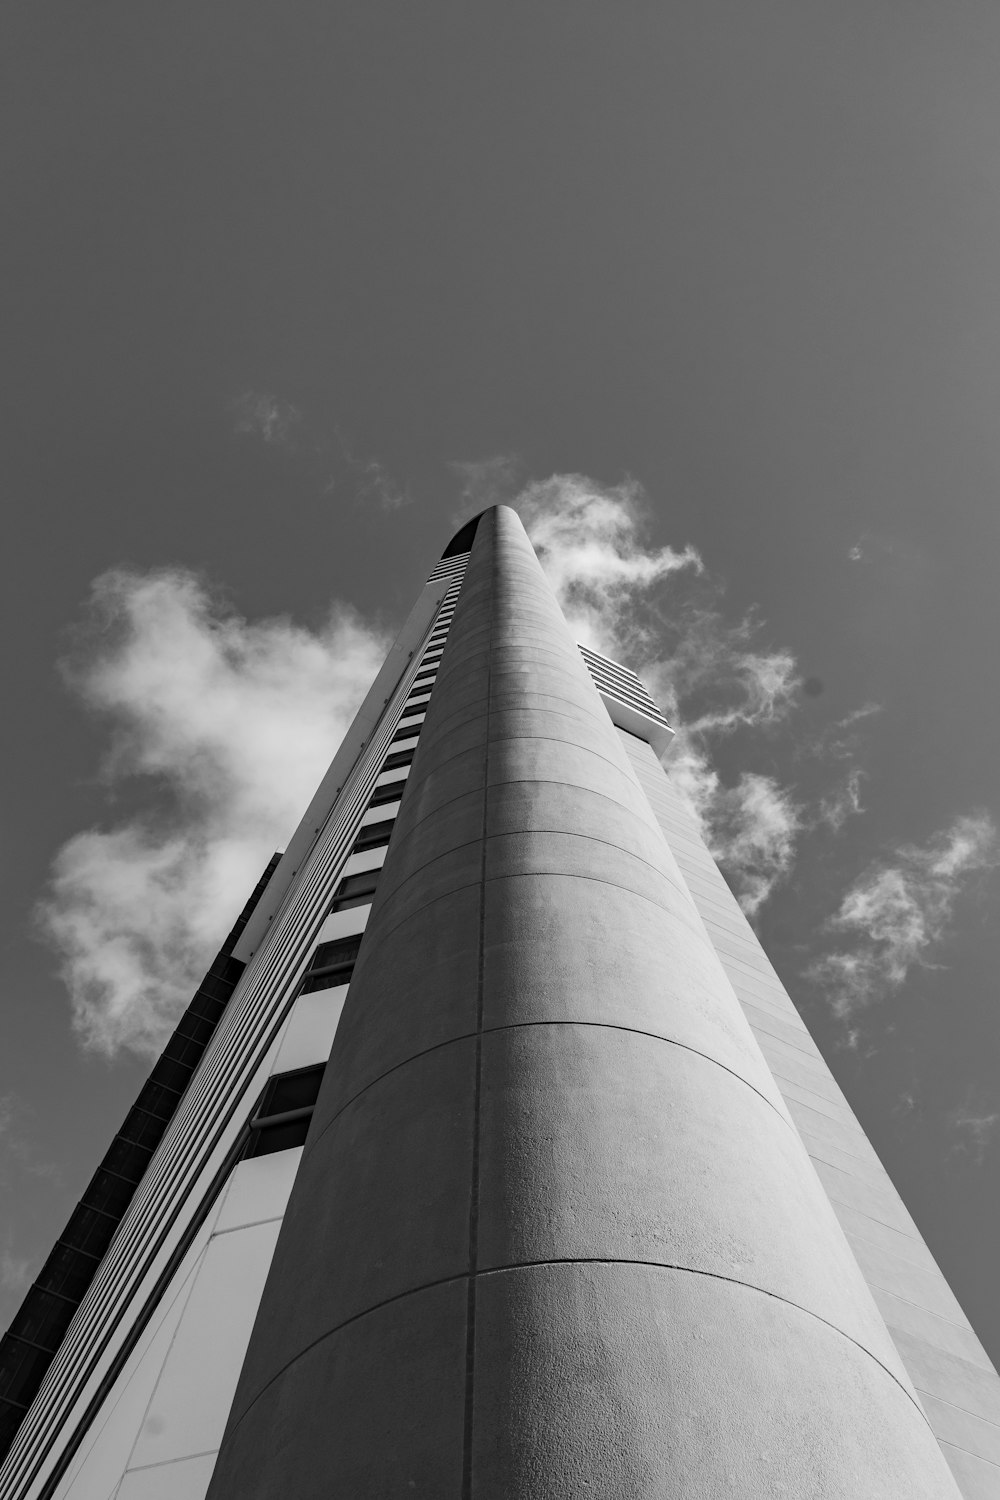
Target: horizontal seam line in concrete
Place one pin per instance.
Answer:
(765, 968)
(979, 1457)
(814, 1063)
(250, 1224)
(534, 781)
(591, 839)
(811, 1052)
(917, 1238)
(838, 1103)
(835, 1167)
(586, 749)
(887, 1180)
(163, 1463)
(526, 874)
(582, 1260)
(965, 1327)
(596, 880)
(845, 1116)
(777, 1009)
(466, 1036)
(779, 1075)
(800, 1030)
(953, 1405)
(387, 932)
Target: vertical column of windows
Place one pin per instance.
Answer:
(332, 962)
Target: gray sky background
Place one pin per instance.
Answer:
(287, 288)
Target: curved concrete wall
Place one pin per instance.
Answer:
(553, 1233)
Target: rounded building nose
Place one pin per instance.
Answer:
(554, 1233)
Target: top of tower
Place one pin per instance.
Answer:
(462, 540)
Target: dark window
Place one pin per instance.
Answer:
(109, 1192)
(171, 1072)
(332, 964)
(281, 1119)
(462, 540)
(406, 732)
(278, 1137)
(399, 758)
(424, 677)
(374, 836)
(157, 1099)
(67, 1271)
(288, 1091)
(48, 1307)
(355, 890)
(383, 794)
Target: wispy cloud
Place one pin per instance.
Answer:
(232, 722)
(974, 1130)
(658, 610)
(19, 1155)
(368, 479)
(841, 739)
(592, 541)
(256, 414)
(331, 462)
(843, 802)
(899, 910)
(22, 1166)
(15, 1269)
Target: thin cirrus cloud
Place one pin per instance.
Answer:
(656, 609)
(330, 462)
(257, 414)
(898, 912)
(843, 802)
(20, 1162)
(229, 725)
(974, 1130)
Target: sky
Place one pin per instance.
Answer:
(709, 291)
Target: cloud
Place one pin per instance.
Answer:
(22, 1167)
(899, 910)
(234, 723)
(843, 802)
(368, 479)
(974, 1130)
(255, 414)
(591, 540)
(330, 463)
(657, 610)
(374, 482)
(840, 740)
(19, 1156)
(15, 1270)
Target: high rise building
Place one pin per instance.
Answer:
(492, 1160)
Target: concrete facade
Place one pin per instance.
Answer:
(554, 1231)
(958, 1387)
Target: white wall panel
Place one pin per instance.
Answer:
(311, 1029)
(186, 1480)
(188, 1410)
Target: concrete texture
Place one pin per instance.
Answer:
(957, 1385)
(554, 1233)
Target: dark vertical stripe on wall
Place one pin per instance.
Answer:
(38, 1327)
